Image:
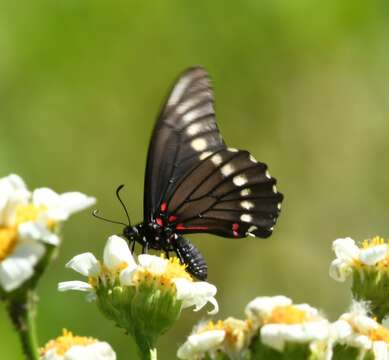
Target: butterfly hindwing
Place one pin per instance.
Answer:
(228, 194)
(185, 128)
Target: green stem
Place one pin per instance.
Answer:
(22, 313)
(146, 350)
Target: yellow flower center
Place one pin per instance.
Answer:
(64, 342)
(375, 241)
(8, 235)
(379, 334)
(369, 243)
(174, 269)
(287, 315)
(235, 331)
(8, 241)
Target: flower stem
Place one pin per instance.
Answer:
(21, 310)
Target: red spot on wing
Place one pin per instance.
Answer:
(183, 227)
(235, 227)
(163, 207)
(172, 218)
(159, 221)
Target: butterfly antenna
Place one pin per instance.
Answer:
(121, 201)
(94, 213)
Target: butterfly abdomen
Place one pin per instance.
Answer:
(191, 257)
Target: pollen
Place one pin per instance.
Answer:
(28, 212)
(8, 241)
(375, 241)
(379, 334)
(64, 342)
(174, 269)
(287, 315)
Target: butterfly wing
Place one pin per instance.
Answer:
(229, 194)
(185, 129)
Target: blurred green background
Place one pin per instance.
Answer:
(301, 84)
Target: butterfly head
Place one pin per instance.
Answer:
(131, 233)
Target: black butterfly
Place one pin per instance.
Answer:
(194, 183)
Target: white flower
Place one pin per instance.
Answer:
(349, 256)
(70, 347)
(27, 222)
(230, 337)
(120, 266)
(200, 343)
(356, 329)
(280, 322)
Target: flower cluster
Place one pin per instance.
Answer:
(273, 327)
(143, 296)
(71, 347)
(356, 335)
(368, 264)
(29, 223)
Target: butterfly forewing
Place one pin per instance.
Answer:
(185, 129)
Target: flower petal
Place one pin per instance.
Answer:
(13, 192)
(196, 293)
(96, 351)
(262, 306)
(116, 252)
(126, 276)
(50, 199)
(380, 350)
(200, 343)
(345, 249)
(340, 270)
(38, 230)
(73, 202)
(154, 264)
(85, 264)
(371, 256)
(74, 285)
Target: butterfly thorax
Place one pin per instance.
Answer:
(153, 235)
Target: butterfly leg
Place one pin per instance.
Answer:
(133, 246)
(145, 248)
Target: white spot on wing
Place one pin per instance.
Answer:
(204, 155)
(253, 159)
(194, 129)
(246, 217)
(239, 180)
(250, 231)
(227, 169)
(267, 174)
(179, 90)
(232, 150)
(217, 159)
(185, 106)
(199, 144)
(274, 189)
(279, 206)
(245, 192)
(194, 114)
(246, 205)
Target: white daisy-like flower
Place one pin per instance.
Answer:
(120, 267)
(71, 347)
(280, 322)
(28, 221)
(349, 256)
(357, 330)
(230, 337)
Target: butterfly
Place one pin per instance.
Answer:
(194, 183)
